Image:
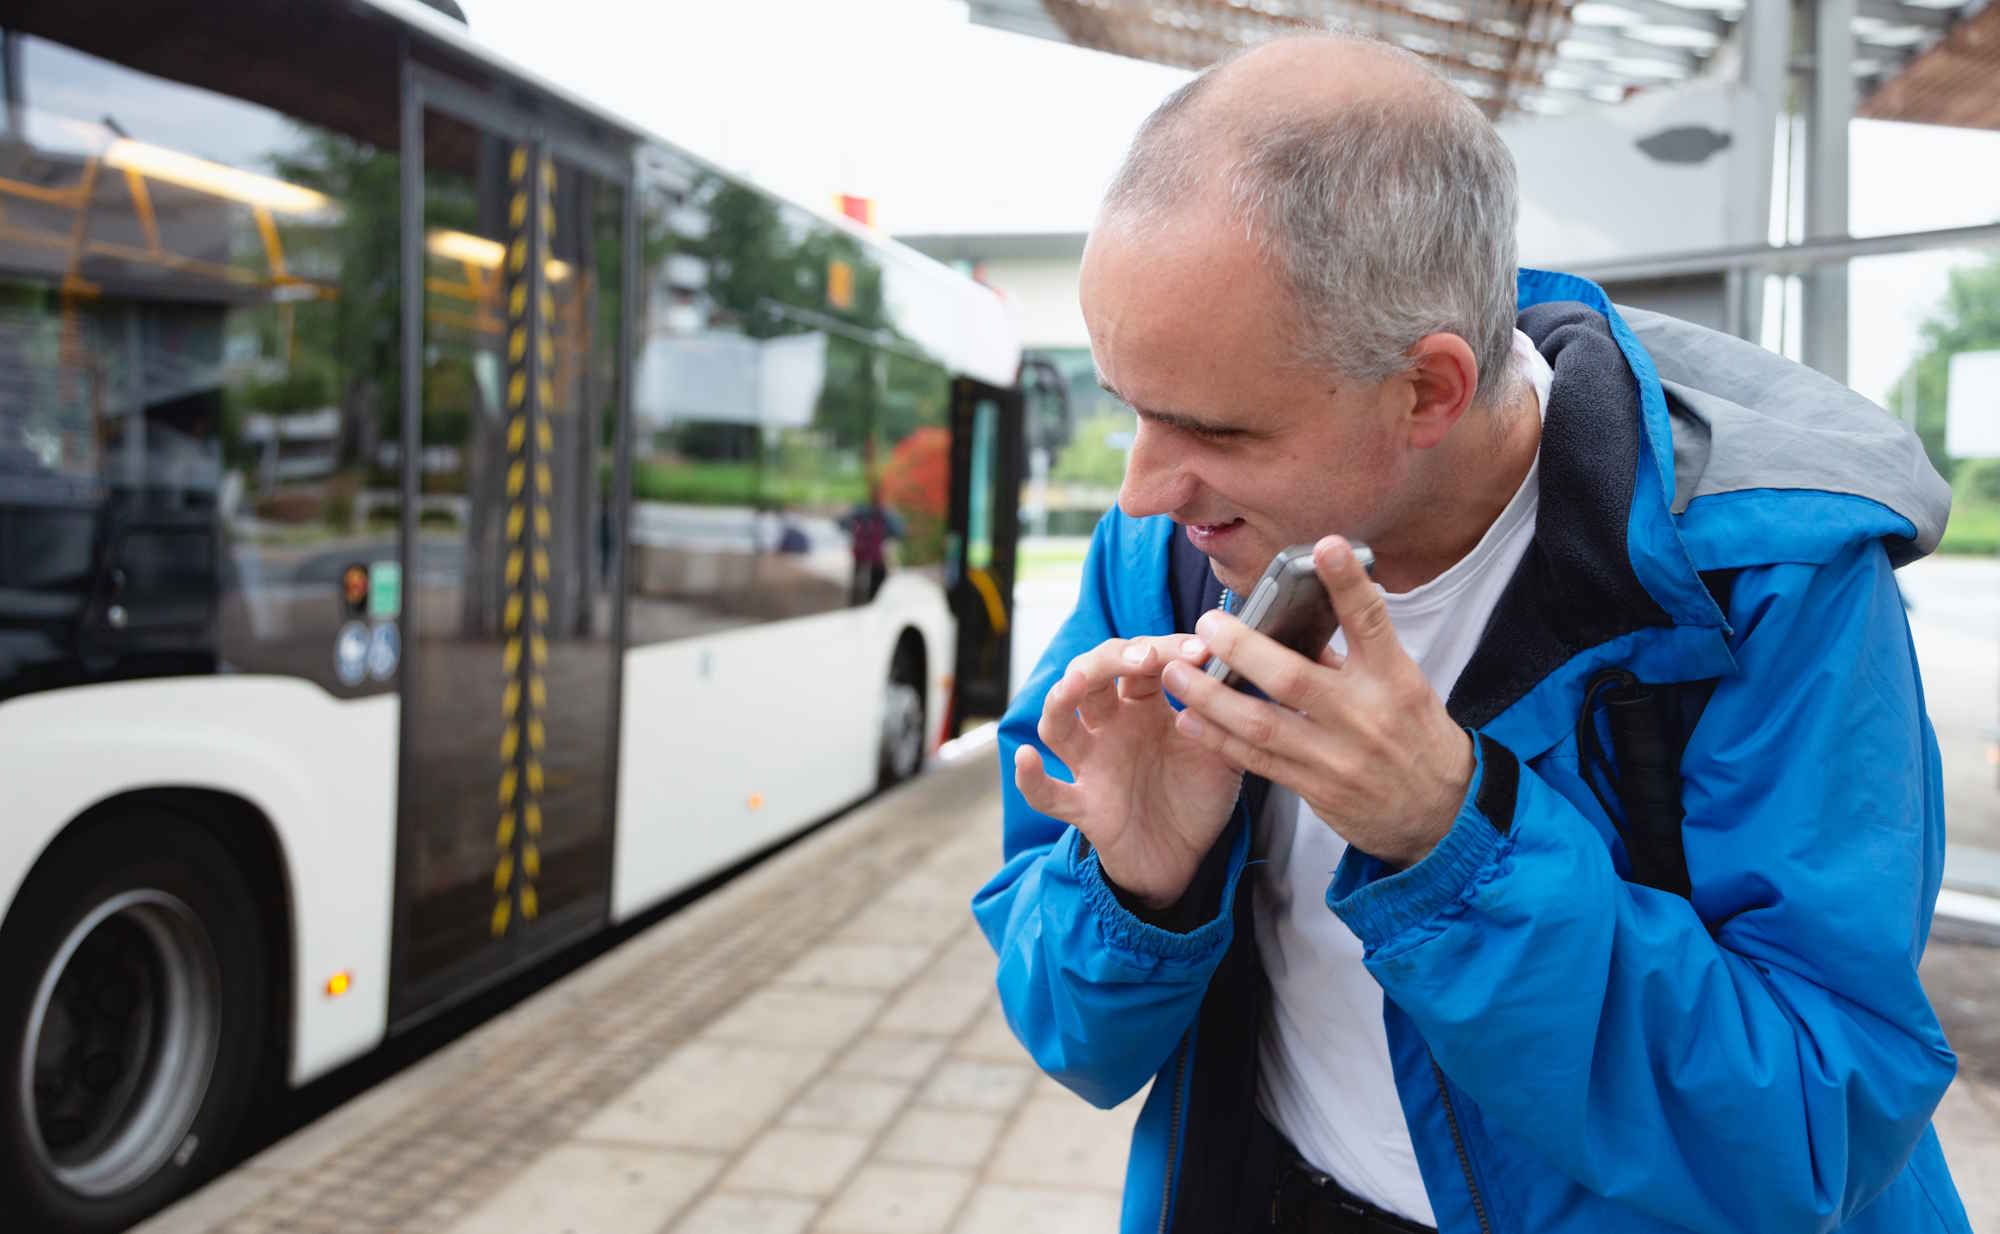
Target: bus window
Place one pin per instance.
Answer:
(197, 385)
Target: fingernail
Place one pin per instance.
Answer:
(1194, 649)
(1337, 553)
(1135, 653)
(1175, 675)
(1206, 626)
(1190, 723)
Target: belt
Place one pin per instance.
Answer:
(1305, 1200)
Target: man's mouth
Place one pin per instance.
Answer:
(1206, 536)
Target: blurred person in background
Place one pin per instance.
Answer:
(1380, 938)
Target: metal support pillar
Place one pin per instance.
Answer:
(1829, 110)
(1766, 33)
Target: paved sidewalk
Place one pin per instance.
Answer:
(814, 1047)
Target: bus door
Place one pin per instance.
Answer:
(513, 396)
(985, 501)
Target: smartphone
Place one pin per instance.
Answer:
(1289, 605)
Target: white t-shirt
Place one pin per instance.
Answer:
(1324, 1076)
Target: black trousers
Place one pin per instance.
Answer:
(1307, 1201)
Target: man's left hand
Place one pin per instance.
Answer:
(1362, 738)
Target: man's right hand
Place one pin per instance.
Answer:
(1150, 800)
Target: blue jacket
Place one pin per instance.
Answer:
(1573, 1051)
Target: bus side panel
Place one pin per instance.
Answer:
(322, 770)
(734, 741)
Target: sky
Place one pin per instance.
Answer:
(954, 127)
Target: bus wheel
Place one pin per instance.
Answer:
(902, 748)
(133, 1012)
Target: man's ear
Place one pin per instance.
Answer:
(1443, 376)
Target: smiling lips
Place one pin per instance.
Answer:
(1206, 536)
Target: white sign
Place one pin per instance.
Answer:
(1972, 406)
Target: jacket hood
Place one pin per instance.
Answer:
(1746, 420)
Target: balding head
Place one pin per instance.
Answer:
(1382, 198)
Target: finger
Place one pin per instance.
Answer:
(1258, 725)
(1099, 703)
(1059, 728)
(1042, 791)
(1237, 750)
(1144, 658)
(1281, 673)
(1357, 601)
(1331, 658)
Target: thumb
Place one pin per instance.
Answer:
(1357, 601)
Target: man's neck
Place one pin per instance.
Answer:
(1475, 473)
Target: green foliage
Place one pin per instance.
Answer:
(1967, 319)
(741, 484)
(1091, 460)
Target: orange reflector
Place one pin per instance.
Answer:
(756, 801)
(337, 984)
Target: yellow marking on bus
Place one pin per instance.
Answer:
(541, 565)
(510, 659)
(517, 389)
(549, 174)
(531, 861)
(517, 432)
(529, 904)
(517, 257)
(505, 835)
(517, 342)
(541, 606)
(510, 699)
(532, 815)
(996, 612)
(534, 776)
(548, 349)
(548, 219)
(517, 302)
(507, 782)
(538, 690)
(500, 913)
(538, 650)
(545, 437)
(517, 210)
(542, 520)
(538, 736)
(516, 516)
(513, 567)
(548, 392)
(545, 484)
(510, 741)
(517, 475)
(517, 165)
(503, 873)
(513, 618)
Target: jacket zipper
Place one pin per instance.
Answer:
(1458, 1142)
(1173, 1135)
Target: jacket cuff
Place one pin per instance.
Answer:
(1378, 902)
(1127, 929)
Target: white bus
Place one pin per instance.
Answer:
(437, 521)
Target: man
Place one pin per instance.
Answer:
(1399, 975)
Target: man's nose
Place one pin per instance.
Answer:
(1155, 480)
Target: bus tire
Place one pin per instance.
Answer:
(901, 749)
(134, 1008)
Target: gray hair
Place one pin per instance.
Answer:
(1389, 219)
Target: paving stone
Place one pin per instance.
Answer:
(595, 1189)
(966, 1085)
(707, 1094)
(891, 1056)
(726, 1212)
(942, 1004)
(798, 1161)
(784, 1017)
(849, 1103)
(214, 1204)
(923, 1136)
(1968, 1125)
(896, 1199)
(997, 1208)
(989, 1038)
(1066, 1143)
(889, 922)
(867, 966)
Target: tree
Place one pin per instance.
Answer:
(1094, 458)
(1967, 319)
